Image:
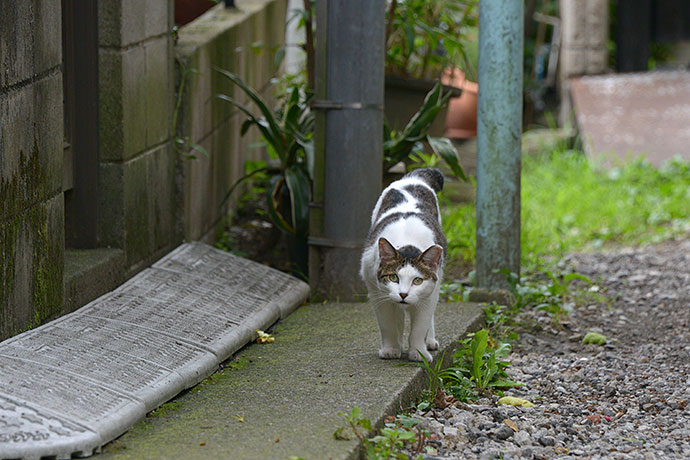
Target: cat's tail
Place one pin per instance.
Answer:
(432, 176)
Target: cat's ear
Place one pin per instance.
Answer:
(432, 257)
(387, 252)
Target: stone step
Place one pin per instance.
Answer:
(72, 385)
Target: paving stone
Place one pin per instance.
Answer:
(635, 114)
(70, 386)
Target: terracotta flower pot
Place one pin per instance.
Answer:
(461, 117)
(404, 96)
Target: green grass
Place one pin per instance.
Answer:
(569, 204)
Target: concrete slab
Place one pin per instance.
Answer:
(70, 386)
(628, 115)
(282, 399)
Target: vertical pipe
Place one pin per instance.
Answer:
(348, 140)
(499, 129)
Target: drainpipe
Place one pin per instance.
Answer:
(499, 130)
(348, 142)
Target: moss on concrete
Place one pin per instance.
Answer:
(285, 398)
(31, 248)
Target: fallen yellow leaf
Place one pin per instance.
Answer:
(513, 401)
(513, 426)
(263, 337)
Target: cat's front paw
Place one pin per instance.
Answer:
(389, 353)
(416, 355)
(431, 344)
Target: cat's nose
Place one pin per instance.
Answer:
(403, 295)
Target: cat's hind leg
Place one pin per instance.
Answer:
(391, 321)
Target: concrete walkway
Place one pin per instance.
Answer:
(282, 399)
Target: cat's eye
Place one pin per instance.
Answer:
(393, 278)
(417, 281)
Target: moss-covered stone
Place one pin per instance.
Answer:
(32, 250)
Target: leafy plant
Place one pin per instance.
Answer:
(424, 38)
(397, 433)
(551, 293)
(287, 133)
(399, 146)
(481, 363)
(435, 373)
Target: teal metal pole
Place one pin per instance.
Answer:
(499, 130)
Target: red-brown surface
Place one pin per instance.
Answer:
(629, 115)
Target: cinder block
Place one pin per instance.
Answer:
(148, 186)
(199, 196)
(32, 250)
(573, 61)
(122, 107)
(159, 17)
(111, 211)
(574, 22)
(110, 105)
(158, 91)
(195, 117)
(160, 180)
(597, 30)
(47, 28)
(109, 22)
(597, 60)
(31, 144)
(30, 39)
(134, 101)
(16, 42)
(223, 164)
(275, 36)
(125, 22)
(136, 98)
(49, 130)
(227, 53)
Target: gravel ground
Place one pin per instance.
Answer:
(627, 399)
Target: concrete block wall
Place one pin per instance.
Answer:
(149, 199)
(137, 210)
(222, 38)
(584, 39)
(31, 133)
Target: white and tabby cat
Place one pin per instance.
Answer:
(402, 263)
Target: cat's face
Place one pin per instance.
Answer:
(408, 275)
(407, 285)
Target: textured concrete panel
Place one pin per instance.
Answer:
(634, 114)
(72, 385)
